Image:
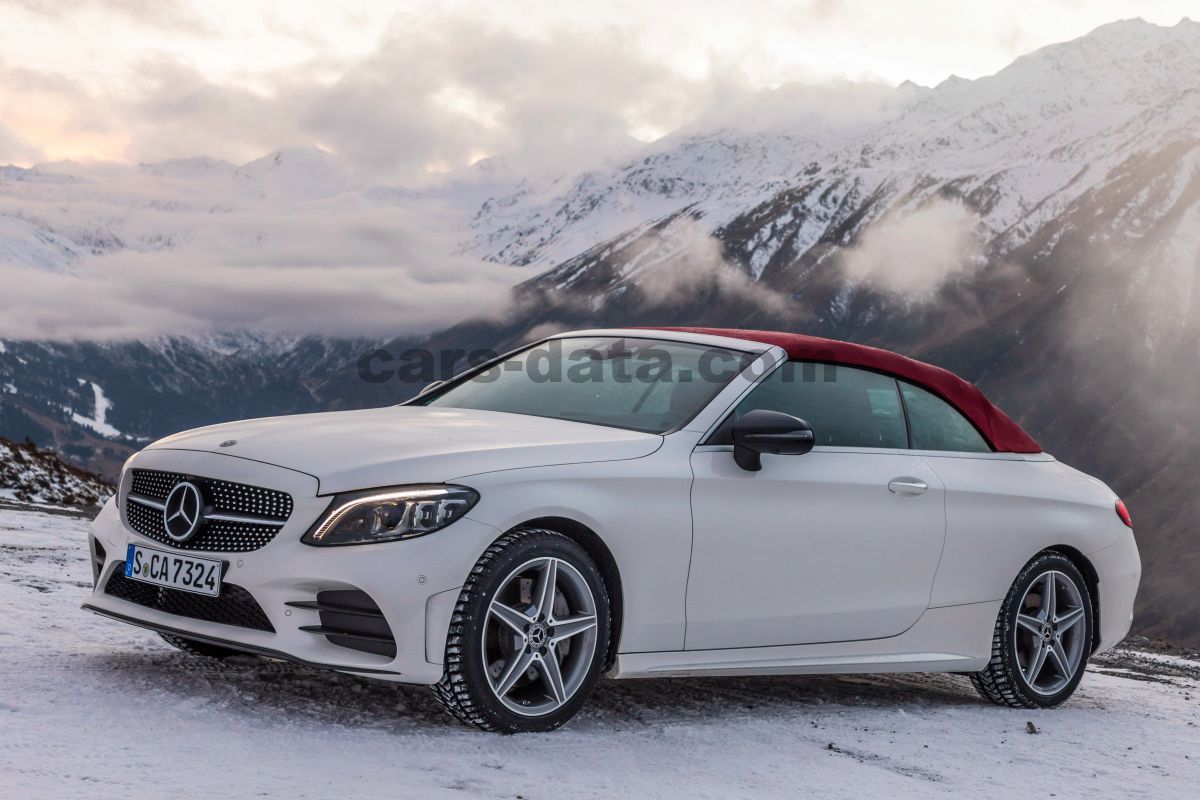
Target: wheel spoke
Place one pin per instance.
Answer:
(1061, 662)
(1036, 661)
(544, 601)
(510, 617)
(1070, 620)
(1030, 623)
(513, 670)
(1049, 599)
(572, 626)
(548, 666)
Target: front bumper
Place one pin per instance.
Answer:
(415, 583)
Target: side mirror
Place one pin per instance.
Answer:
(762, 431)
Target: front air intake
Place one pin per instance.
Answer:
(98, 558)
(234, 607)
(350, 618)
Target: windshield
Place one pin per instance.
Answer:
(648, 385)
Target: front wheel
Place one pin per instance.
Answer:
(1042, 638)
(529, 635)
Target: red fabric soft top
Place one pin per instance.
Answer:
(1001, 432)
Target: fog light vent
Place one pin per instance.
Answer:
(350, 618)
(98, 559)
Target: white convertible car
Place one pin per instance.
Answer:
(630, 503)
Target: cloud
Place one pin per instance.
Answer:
(683, 264)
(195, 248)
(914, 251)
(438, 92)
(54, 116)
(130, 297)
(172, 15)
(15, 149)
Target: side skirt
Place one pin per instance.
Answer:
(950, 639)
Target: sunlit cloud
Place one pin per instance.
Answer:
(399, 87)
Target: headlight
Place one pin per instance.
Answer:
(385, 515)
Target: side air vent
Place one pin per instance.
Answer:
(98, 557)
(350, 618)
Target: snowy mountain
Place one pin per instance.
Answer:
(1017, 147)
(97, 402)
(1037, 231)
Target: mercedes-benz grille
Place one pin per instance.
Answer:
(235, 517)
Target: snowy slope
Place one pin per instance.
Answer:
(1017, 149)
(97, 402)
(95, 709)
(39, 476)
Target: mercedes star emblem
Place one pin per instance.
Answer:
(182, 514)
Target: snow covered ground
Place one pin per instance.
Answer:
(92, 708)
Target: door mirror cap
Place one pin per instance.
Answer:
(761, 431)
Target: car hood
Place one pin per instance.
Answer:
(351, 450)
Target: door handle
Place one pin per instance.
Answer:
(907, 486)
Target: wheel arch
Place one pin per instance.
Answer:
(599, 552)
(1084, 565)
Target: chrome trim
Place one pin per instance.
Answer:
(271, 521)
(146, 501)
(157, 506)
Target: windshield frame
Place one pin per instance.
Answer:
(749, 355)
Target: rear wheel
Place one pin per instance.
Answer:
(198, 648)
(1042, 638)
(528, 637)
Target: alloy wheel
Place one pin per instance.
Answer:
(539, 636)
(1050, 632)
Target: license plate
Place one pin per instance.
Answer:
(175, 571)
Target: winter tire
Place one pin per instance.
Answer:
(1043, 636)
(528, 637)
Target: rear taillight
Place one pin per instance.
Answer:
(1123, 513)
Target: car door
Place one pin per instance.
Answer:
(839, 544)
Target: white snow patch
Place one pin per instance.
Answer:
(98, 421)
(86, 701)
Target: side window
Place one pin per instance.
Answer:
(936, 425)
(846, 407)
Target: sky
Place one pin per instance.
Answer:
(414, 88)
